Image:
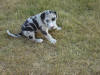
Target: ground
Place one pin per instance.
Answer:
(77, 51)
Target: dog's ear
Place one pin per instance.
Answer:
(52, 12)
(55, 12)
(43, 16)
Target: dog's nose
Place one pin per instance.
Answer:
(52, 27)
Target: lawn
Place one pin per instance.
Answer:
(77, 51)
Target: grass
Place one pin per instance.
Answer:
(77, 51)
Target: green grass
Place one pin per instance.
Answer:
(77, 51)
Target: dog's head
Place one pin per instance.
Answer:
(49, 17)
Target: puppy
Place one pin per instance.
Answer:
(43, 22)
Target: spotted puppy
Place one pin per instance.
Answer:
(43, 21)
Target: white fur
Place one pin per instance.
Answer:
(10, 34)
(45, 27)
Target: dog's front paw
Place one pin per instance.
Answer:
(53, 41)
(59, 28)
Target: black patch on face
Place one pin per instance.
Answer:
(27, 29)
(53, 19)
(42, 16)
(30, 37)
(47, 20)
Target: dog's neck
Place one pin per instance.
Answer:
(41, 23)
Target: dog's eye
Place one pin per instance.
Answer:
(47, 21)
(53, 19)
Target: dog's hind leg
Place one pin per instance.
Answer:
(31, 35)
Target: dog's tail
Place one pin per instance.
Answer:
(14, 35)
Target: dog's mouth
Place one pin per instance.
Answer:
(51, 27)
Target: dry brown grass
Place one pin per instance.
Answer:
(77, 51)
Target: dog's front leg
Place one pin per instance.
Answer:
(48, 36)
